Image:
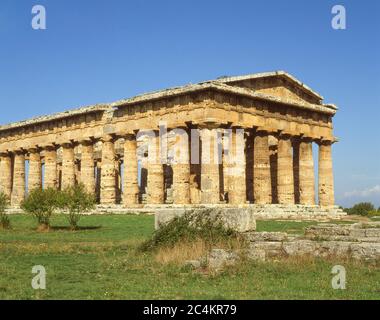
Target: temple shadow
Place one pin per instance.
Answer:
(79, 228)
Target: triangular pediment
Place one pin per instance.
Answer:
(278, 84)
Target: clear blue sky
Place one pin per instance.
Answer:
(100, 51)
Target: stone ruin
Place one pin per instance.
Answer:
(358, 241)
(271, 119)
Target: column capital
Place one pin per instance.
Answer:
(85, 141)
(282, 134)
(5, 153)
(33, 150)
(108, 138)
(264, 130)
(67, 144)
(326, 141)
(127, 133)
(50, 147)
(20, 151)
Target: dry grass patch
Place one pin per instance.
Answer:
(181, 252)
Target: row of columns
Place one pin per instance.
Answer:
(12, 179)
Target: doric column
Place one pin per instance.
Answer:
(131, 187)
(155, 172)
(87, 165)
(181, 168)
(262, 189)
(306, 172)
(18, 188)
(108, 172)
(50, 176)
(236, 170)
(6, 174)
(326, 178)
(68, 165)
(285, 176)
(209, 166)
(35, 170)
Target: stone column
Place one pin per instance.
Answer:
(108, 175)
(87, 166)
(18, 188)
(131, 186)
(181, 169)
(236, 170)
(262, 189)
(285, 175)
(306, 172)
(68, 165)
(209, 166)
(50, 176)
(35, 170)
(155, 172)
(6, 174)
(326, 178)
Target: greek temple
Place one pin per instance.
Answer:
(271, 119)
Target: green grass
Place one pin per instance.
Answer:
(102, 263)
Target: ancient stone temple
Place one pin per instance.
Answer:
(272, 119)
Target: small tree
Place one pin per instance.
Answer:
(362, 208)
(4, 219)
(41, 203)
(76, 200)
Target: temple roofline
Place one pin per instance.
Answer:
(220, 85)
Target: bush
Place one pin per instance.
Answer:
(4, 219)
(374, 213)
(362, 209)
(76, 200)
(188, 228)
(42, 203)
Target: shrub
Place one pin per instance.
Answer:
(374, 213)
(362, 208)
(4, 219)
(41, 203)
(76, 200)
(190, 227)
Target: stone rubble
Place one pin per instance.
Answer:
(322, 241)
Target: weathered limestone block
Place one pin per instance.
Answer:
(6, 174)
(50, 177)
(266, 236)
(108, 172)
(306, 173)
(333, 249)
(237, 219)
(299, 247)
(262, 188)
(219, 258)
(131, 187)
(365, 251)
(35, 170)
(209, 167)
(285, 175)
(68, 166)
(268, 249)
(236, 169)
(18, 189)
(87, 174)
(326, 179)
(155, 173)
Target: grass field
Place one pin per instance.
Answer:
(100, 261)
